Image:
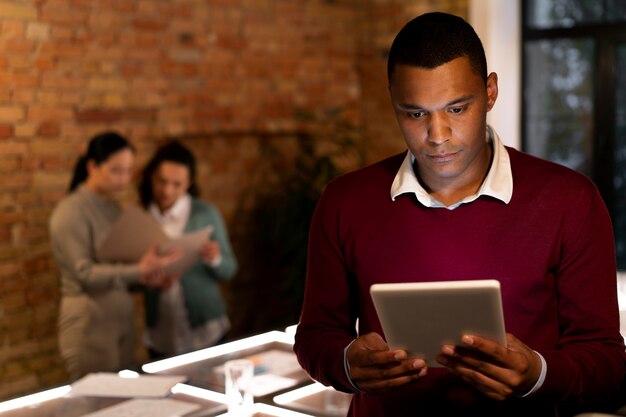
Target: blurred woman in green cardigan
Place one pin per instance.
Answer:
(190, 314)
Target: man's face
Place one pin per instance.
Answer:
(442, 115)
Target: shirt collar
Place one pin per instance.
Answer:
(179, 211)
(497, 184)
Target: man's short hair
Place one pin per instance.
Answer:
(433, 39)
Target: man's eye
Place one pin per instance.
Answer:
(416, 115)
(456, 110)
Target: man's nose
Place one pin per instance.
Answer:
(439, 129)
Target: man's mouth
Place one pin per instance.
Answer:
(443, 157)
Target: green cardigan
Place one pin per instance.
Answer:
(201, 283)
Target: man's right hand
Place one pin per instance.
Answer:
(376, 368)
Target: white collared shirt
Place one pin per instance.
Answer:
(497, 184)
(174, 219)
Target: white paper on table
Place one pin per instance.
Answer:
(108, 384)
(146, 407)
(268, 383)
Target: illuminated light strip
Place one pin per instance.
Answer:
(127, 373)
(35, 398)
(299, 393)
(202, 393)
(270, 410)
(215, 351)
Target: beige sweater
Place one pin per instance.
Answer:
(78, 224)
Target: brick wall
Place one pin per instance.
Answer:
(231, 77)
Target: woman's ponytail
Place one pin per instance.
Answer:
(80, 173)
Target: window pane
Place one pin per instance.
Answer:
(619, 179)
(558, 101)
(542, 14)
(616, 10)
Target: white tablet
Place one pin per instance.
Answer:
(422, 316)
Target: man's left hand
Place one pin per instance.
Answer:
(500, 372)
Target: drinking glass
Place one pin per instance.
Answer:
(238, 386)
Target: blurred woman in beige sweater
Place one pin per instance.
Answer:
(96, 321)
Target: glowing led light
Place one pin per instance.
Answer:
(299, 393)
(205, 394)
(35, 398)
(215, 351)
(127, 373)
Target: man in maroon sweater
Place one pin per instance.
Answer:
(459, 205)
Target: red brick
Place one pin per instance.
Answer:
(38, 31)
(27, 199)
(49, 129)
(50, 197)
(15, 284)
(58, 113)
(55, 162)
(17, 46)
(6, 235)
(70, 16)
(14, 181)
(60, 33)
(11, 217)
(17, 11)
(44, 64)
(63, 82)
(12, 303)
(25, 81)
(231, 43)
(6, 131)
(39, 295)
(12, 28)
(62, 50)
(11, 113)
(145, 115)
(130, 69)
(149, 24)
(98, 116)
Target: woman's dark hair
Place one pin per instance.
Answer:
(434, 39)
(100, 149)
(176, 153)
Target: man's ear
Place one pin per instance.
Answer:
(492, 90)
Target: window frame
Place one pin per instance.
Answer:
(606, 38)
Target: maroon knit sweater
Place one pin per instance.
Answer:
(551, 248)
